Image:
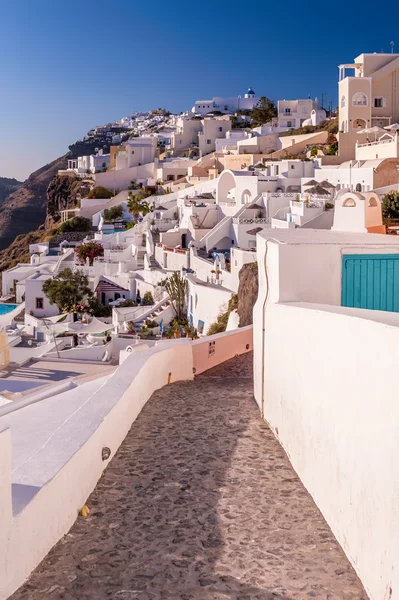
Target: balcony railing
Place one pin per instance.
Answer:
(249, 221)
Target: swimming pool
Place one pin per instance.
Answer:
(6, 308)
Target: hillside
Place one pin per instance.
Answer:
(7, 186)
(24, 209)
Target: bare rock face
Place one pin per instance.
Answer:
(62, 193)
(247, 293)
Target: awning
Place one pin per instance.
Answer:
(95, 326)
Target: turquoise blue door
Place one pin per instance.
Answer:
(371, 281)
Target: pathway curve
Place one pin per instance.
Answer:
(199, 503)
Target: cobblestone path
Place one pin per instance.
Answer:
(199, 503)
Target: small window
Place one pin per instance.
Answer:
(379, 102)
(200, 327)
(132, 151)
(39, 303)
(343, 102)
(289, 124)
(372, 202)
(292, 167)
(359, 99)
(208, 141)
(220, 128)
(358, 187)
(287, 111)
(349, 203)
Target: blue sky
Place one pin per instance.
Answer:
(65, 67)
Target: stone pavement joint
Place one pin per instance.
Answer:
(199, 503)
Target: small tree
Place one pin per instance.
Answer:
(90, 250)
(148, 300)
(113, 213)
(390, 205)
(67, 290)
(263, 111)
(137, 205)
(100, 193)
(177, 287)
(75, 224)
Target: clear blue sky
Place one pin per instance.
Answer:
(67, 66)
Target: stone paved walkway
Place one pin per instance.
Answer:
(200, 503)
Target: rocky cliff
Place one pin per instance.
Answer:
(25, 208)
(247, 293)
(63, 192)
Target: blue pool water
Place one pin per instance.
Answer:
(6, 308)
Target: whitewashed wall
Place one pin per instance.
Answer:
(329, 396)
(85, 419)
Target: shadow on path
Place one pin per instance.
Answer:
(200, 502)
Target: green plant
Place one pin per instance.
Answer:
(263, 111)
(329, 205)
(177, 287)
(333, 149)
(219, 326)
(390, 206)
(113, 213)
(98, 309)
(100, 193)
(91, 250)
(151, 324)
(67, 289)
(147, 299)
(127, 303)
(131, 327)
(75, 224)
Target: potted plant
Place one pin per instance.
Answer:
(176, 330)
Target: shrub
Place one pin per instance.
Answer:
(219, 326)
(98, 309)
(90, 250)
(75, 224)
(127, 303)
(390, 206)
(329, 205)
(100, 193)
(147, 299)
(113, 213)
(151, 324)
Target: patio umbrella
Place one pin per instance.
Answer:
(327, 184)
(374, 130)
(317, 190)
(394, 127)
(312, 182)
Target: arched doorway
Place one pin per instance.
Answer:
(225, 191)
(246, 197)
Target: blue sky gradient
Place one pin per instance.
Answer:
(66, 67)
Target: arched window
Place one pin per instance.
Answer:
(359, 99)
(358, 187)
(349, 203)
(343, 101)
(372, 202)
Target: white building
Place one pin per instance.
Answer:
(135, 152)
(226, 105)
(89, 164)
(296, 113)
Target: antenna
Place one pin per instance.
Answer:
(392, 46)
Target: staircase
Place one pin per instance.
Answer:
(140, 258)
